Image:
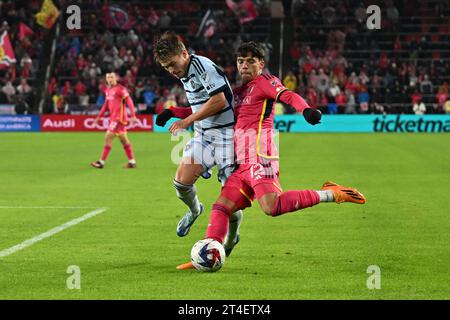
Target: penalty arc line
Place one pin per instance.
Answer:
(50, 233)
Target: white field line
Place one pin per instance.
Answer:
(50, 233)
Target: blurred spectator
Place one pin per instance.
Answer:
(360, 13)
(419, 108)
(21, 106)
(392, 13)
(9, 90)
(312, 97)
(363, 99)
(334, 90)
(426, 88)
(341, 101)
(80, 88)
(59, 104)
(23, 88)
(351, 102)
(441, 97)
(94, 71)
(447, 107)
(164, 21)
(290, 81)
(328, 15)
(416, 97)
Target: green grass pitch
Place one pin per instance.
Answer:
(130, 251)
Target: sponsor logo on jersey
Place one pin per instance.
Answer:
(247, 100)
(257, 171)
(205, 77)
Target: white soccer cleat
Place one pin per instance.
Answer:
(185, 224)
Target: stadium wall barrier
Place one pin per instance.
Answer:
(357, 123)
(19, 123)
(7, 109)
(283, 123)
(86, 123)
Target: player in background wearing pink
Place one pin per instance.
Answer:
(256, 175)
(116, 96)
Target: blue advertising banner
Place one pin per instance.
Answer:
(20, 123)
(357, 123)
(366, 123)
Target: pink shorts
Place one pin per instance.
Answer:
(253, 181)
(117, 127)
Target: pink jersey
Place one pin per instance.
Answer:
(115, 99)
(254, 113)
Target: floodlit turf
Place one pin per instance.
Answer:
(131, 250)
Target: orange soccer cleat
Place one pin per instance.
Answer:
(344, 194)
(185, 266)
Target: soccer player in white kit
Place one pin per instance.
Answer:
(211, 112)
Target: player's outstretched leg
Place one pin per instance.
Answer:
(233, 236)
(278, 204)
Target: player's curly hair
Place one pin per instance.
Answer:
(251, 47)
(169, 44)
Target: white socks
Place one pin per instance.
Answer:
(325, 195)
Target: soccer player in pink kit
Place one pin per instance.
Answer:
(256, 175)
(116, 96)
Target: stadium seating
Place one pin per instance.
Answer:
(390, 70)
(410, 52)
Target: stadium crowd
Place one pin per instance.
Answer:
(332, 59)
(17, 80)
(340, 65)
(84, 57)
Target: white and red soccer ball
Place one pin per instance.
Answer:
(208, 255)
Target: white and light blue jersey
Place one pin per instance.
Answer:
(205, 79)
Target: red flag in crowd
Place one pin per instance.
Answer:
(207, 26)
(116, 17)
(6, 51)
(245, 10)
(24, 31)
(48, 15)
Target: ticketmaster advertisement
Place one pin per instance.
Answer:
(357, 123)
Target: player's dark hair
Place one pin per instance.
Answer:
(252, 48)
(168, 45)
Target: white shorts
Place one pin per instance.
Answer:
(212, 149)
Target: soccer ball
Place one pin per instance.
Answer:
(208, 255)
